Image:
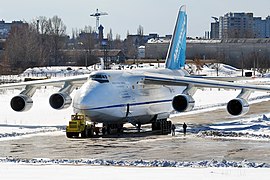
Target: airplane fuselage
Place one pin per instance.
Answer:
(121, 96)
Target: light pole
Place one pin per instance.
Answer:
(254, 64)
(86, 58)
(242, 62)
(258, 55)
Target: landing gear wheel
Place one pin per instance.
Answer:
(89, 132)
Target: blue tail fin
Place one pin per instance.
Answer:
(176, 55)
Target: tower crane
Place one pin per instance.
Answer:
(97, 14)
(215, 18)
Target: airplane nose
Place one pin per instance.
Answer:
(86, 97)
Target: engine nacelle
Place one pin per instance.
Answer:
(60, 100)
(237, 107)
(183, 103)
(21, 103)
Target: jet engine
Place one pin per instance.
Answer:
(21, 103)
(183, 103)
(60, 100)
(237, 106)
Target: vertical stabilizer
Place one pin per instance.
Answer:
(176, 55)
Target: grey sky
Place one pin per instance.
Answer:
(156, 16)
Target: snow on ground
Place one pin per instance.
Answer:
(40, 118)
(249, 128)
(29, 172)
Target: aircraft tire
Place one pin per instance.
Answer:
(89, 132)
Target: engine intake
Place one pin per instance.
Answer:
(237, 107)
(183, 102)
(21, 103)
(60, 100)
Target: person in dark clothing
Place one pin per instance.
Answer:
(173, 130)
(184, 128)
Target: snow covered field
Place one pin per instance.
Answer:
(29, 172)
(43, 120)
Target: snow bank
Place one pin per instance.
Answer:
(137, 163)
(13, 132)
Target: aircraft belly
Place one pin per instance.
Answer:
(105, 115)
(152, 101)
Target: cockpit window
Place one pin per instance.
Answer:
(102, 78)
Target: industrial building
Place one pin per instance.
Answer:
(238, 52)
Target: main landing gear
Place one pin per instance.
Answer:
(78, 127)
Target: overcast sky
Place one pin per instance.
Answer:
(156, 16)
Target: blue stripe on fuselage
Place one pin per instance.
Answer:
(130, 104)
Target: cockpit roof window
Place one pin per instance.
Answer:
(101, 78)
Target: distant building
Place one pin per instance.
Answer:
(206, 35)
(100, 33)
(240, 25)
(141, 52)
(267, 27)
(156, 48)
(236, 25)
(214, 33)
(5, 27)
(259, 27)
(112, 55)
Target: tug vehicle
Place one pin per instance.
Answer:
(79, 126)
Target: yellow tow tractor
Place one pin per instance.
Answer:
(79, 126)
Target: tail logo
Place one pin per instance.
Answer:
(176, 56)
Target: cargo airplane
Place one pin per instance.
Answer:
(145, 96)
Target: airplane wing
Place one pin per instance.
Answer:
(224, 78)
(199, 82)
(76, 81)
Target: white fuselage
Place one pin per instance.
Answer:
(121, 96)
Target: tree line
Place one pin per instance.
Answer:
(36, 43)
(44, 42)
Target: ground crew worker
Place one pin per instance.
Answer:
(184, 128)
(76, 116)
(173, 130)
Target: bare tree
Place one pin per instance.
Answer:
(57, 32)
(117, 43)
(56, 26)
(87, 38)
(22, 48)
(110, 35)
(140, 30)
(117, 37)
(128, 33)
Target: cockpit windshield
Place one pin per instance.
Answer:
(101, 78)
